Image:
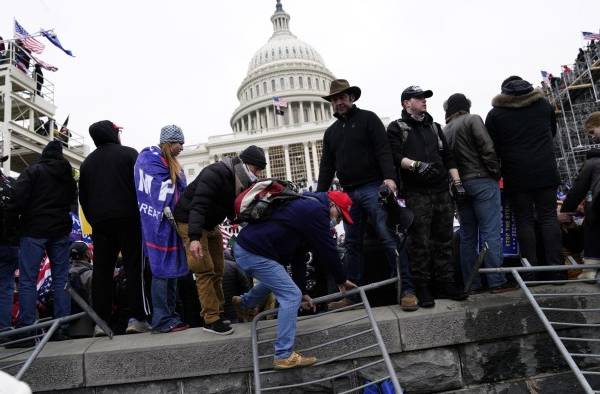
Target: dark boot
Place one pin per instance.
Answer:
(61, 334)
(424, 294)
(449, 290)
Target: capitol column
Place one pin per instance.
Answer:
(301, 113)
(288, 168)
(322, 111)
(268, 160)
(309, 177)
(311, 116)
(315, 158)
(269, 118)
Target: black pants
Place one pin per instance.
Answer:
(537, 207)
(111, 237)
(430, 239)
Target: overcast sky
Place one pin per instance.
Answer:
(145, 64)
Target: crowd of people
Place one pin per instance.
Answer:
(145, 215)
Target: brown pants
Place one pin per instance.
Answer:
(208, 270)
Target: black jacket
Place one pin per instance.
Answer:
(9, 219)
(472, 147)
(209, 199)
(522, 128)
(588, 180)
(106, 185)
(423, 142)
(356, 148)
(44, 194)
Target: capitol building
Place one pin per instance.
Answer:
(288, 68)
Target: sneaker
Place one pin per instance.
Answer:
(425, 299)
(135, 326)
(219, 328)
(98, 332)
(295, 360)
(409, 302)
(332, 306)
(181, 326)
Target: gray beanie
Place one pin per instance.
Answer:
(171, 133)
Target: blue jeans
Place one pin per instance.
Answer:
(164, 298)
(273, 278)
(480, 218)
(365, 204)
(9, 260)
(31, 252)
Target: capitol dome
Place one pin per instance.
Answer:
(290, 69)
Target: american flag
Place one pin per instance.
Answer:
(279, 102)
(44, 282)
(28, 42)
(228, 232)
(45, 65)
(590, 36)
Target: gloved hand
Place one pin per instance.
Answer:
(458, 191)
(425, 170)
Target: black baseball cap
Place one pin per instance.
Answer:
(415, 91)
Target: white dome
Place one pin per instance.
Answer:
(284, 47)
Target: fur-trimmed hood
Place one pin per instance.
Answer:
(525, 100)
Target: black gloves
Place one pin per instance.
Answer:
(458, 192)
(425, 170)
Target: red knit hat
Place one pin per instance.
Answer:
(343, 202)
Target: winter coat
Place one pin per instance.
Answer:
(472, 147)
(9, 219)
(522, 128)
(299, 226)
(423, 142)
(355, 148)
(588, 180)
(106, 185)
(209, 199)
(44, 194)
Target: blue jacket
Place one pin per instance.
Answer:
(293, 229)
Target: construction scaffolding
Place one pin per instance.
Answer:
(575, 96)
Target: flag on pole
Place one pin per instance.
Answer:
(590, 36)
(27, 41)
(279, 104)
(51, 36)
(545, 76)
(45, 65)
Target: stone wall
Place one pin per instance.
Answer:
(487, 344)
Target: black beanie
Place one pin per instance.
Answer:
(255, 156)
(53, 150)
(510, 79)
(516, 86)
(456, 102)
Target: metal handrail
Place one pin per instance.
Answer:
(330, 297)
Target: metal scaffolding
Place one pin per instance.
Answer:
(574, 98)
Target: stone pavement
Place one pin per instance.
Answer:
(479, 344)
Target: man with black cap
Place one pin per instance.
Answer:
(425, 165)
(355, 148)
(479, 168)
(109, 202)
(205, 203)
(522, 125)
(44, 194)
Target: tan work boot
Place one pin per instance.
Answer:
(409, 302)
(295, 360)
(588, 274)
(344, 302)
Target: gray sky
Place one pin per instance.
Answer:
(145, 64)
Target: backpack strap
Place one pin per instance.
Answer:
(404, 130)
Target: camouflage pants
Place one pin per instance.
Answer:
(430, 239)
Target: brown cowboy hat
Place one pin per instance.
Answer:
(339, 86)
(3, 159)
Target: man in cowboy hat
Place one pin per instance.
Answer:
(356, 149)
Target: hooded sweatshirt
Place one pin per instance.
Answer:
(107, 189)
(44, 194)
